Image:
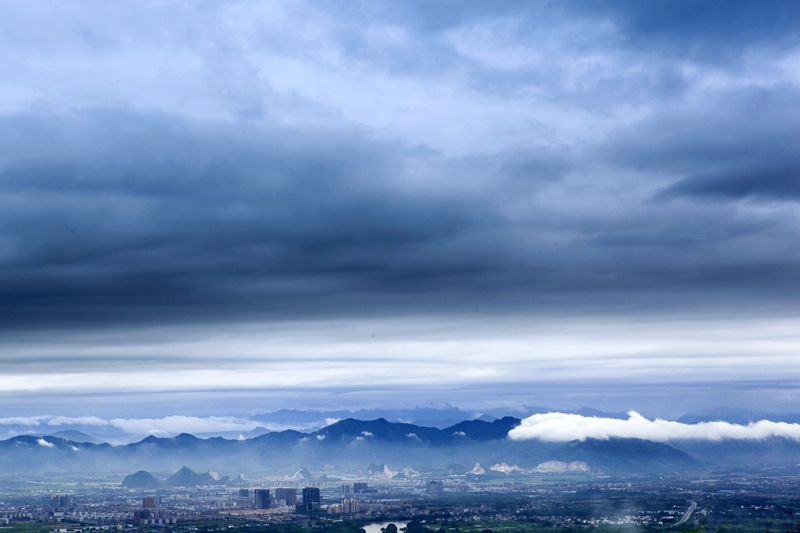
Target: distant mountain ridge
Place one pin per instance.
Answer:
(185, 477)
(118, 432)
(75, 436)
(401, 448)
(410, 434)
(737, 416)
(305, 421)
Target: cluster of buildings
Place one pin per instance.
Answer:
(111, 508)
(7, 518)
(153, 516)
(348, 506)
(308, 501)
(270, 498)
(148, 514)
(59, 501)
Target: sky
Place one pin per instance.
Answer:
(228, 208)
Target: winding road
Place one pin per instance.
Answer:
(688, 514)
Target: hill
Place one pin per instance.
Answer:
(140, 480)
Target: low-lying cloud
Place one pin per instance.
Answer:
(563, 427)
(183, 424)
(166, 426)
(51, 420)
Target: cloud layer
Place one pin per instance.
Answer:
(166, 426)
(197, 167)
(539, 157)
(563, 427)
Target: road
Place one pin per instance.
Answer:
(687, 515)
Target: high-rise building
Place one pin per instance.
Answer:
(435, 487)
(311, 500)
(244, 493)
(262, 498)
(148, 502)
(350, 505)
(287, 496)
(360, 487)
(345, 490)
(59, 501)
(141, 516)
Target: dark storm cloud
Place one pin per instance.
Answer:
(710, 31)
(741, 146)
(167, 215)
(764, 183)
(746, 126)
(661, 36)
(682, 24)
(160, 215)
(158, 219)
(237, 188)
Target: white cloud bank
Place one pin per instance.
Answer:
(563, 427)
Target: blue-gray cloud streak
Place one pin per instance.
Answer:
(275, 162)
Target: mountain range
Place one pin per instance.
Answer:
(470, 447)
(124, 431)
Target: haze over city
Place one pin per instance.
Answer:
(216, 211)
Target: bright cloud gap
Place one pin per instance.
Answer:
(564, 427)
